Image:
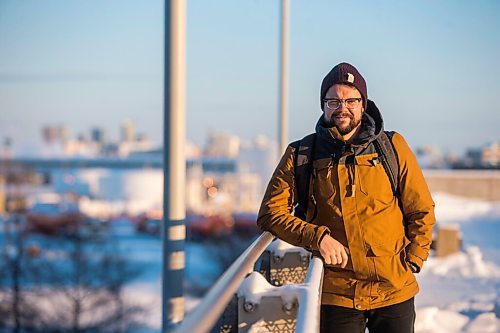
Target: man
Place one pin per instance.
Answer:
(372, 238)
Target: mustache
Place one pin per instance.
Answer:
(345, 114)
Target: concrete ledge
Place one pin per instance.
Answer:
(478, 184)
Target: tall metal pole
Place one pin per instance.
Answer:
(174, 205)
(283, 87)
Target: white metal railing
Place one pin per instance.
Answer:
(206, 314)
(307, 295)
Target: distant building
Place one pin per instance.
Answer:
(490, 155)
(49, 134)
(222, 145)
(211, 192)
(55, 133)
(487, 157)
(83, 137)
(128, 131)
(192, 151)
(124, 149)
(6, 148)
(98, 134)
(141, 137)
(259, 157)
(82, 147)
(64, 133)
(430, 158)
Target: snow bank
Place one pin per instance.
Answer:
(468, 264)
(149, 298)
(452, 209)
(434, 320)
(461, 292)
(484, 323)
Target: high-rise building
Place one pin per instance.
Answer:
(63, 133)
(98, 134)
(6, 148)
(128, 131)
(55, 133)
(50, 133)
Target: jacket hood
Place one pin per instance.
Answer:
(372, 125)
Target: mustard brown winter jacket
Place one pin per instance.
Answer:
(380, 238)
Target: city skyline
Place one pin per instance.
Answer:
(86, 64)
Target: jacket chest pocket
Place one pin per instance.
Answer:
(373, 181)
(324, 179)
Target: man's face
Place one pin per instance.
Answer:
(344, 118)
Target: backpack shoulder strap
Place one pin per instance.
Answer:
(389, 158)
(304, 152)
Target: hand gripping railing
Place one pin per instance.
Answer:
(205, 315)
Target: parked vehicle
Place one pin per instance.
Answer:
(198, 226)
(208, 226)
(53, 217)
(49, 214)
(245, 224)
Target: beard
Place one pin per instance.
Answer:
(353, 123)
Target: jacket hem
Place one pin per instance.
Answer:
(345, 301)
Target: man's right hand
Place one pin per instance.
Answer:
(333, 252)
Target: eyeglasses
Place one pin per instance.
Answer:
(335, 103)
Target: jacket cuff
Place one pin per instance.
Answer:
(412, 259)
(321, 231)
(417, 251)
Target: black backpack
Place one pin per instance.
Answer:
(304, 153)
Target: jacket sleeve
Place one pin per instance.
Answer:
(275, 214)
(417, 203)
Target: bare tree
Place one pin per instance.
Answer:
(13, 267)
(90, 279)
(70, 283)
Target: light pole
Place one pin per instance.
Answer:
(174, 165)
(283, 85)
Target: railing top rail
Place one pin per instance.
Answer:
(206, 314)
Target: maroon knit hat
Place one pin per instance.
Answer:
(344, 73)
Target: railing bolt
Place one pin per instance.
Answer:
(288, 307)
(249, 307)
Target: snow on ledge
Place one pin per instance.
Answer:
(279, 248)
(255, 286)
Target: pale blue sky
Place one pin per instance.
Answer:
(432, 67)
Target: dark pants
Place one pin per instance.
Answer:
(397, 318)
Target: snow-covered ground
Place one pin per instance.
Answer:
(459, 293)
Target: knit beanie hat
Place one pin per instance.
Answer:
(344, 73)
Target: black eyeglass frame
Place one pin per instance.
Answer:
(342, 101)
